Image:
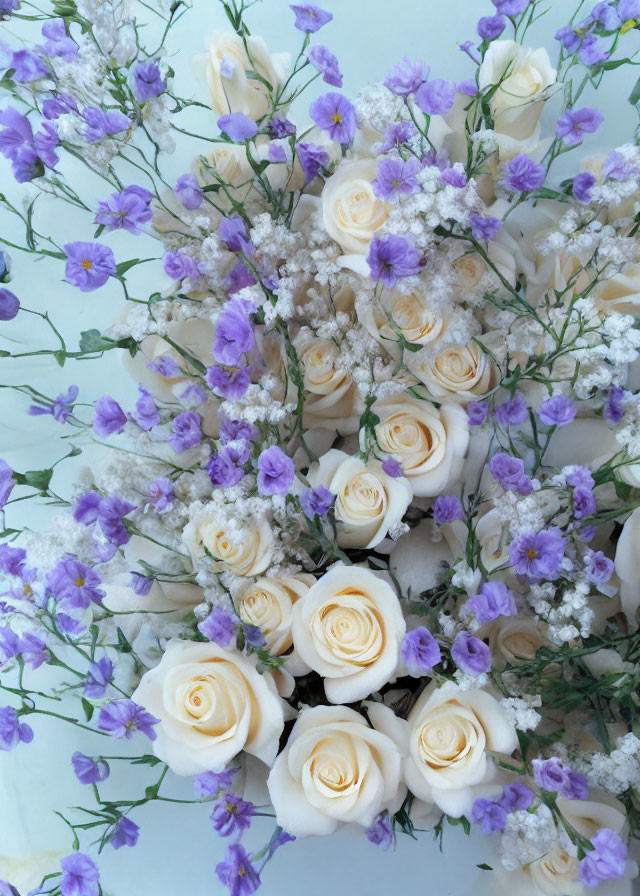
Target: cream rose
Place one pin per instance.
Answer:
(514, 639)
(459, 372)
(368, 502)
(332, 400)
(620, 292)
(268, 603)
(399, 314)
(450, 731)
(627, 565)
(230, 59)
(212, 703)
(351, 211)
(429, 442)
(348, 627)
(335, 769)
(524, 77)
(244, 549)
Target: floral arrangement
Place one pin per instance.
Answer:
(370, 524)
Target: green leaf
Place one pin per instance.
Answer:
(123, 644)
(146, 760)
(61, 357)
(484, 867)
(454, 822)
(39, 479)
(94, 341)
(634, 96)
(88, 709)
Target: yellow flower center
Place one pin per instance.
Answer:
(86, 264)
(79, 583)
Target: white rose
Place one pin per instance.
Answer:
(620, 292)
(268, 603)
(348, 627)
(627, 565)
(524, 77)
(230, 163)
(335, 769)
(400, 314)
(513, 639)
(368, 502)
(230, 60)
(417, 562)
(430, 443)
(212, 703)
(26, 873)
(450, 731)
(332, 400)
(351, 211)
(244, 550)
(459, 372)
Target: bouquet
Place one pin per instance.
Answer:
(369, 524)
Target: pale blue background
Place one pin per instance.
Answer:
(178, 850)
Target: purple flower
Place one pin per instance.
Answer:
(392, 468)
(188, 191)
(232, 430)
(60, 409)
(238, 127)
(575, 786)
(12, 731)
(161, 494)
(8, 6)
(406, 77)
(237, 872)
(548, 774)
(100, 124)
(494, 599)
(147, 80)
(58, 104)
(186, 432)
(584, 503)
(477, 412)
(45, 142)
(614, 404)
(399, 133)
(232, 815)
(28, 66)
(509, 472)
(335, 114)
(573, 125)
(125, 833)
(491, 816)
(122, 718)
(79, 876)
(316, 501)
(128, 210)
(538, 555)
(275, 472)
(233, 233)
(380, 831)
(231, 386)
(521, 173)
(310, 18)
(606, 861)
(312, 158)
(581, 187)
(454, 176)
(510, 8)
(208, 785)
(592, 50)
(234, 335)
(111, 513)
(512, 412)
(282, 127)
(9, 304)
(324, 60)
(484, 229)
(391, 258)
(58, 43)
(87, 770)
(180, 266)
(579, 477)
(89, 265)
(99, 676)
(7, 482)
(490, 27)
(470, 654)
(140, 584)
(447, 508)
(86, 509)
(436, 97)
(218, 627)
(108, 417)
(226, 467)
(598, 566)
(74, 583)
(146, 413)
(12, 559)
(516, 796)
(192, 395)
(557, 411)
(253, 635)
(420, 651)
(397, 178)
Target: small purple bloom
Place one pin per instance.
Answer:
(238, 127)
(406, 77)
(253, 635)
(310, 18)
(477, 412)
(326, 63)
(509, 472)
(161, 494)
(146, 413)
(420, 651)
(237, 872)
(60, 409)
(232, 430)
(493, 600)
(79, 876)
(188, 191)
(312, 158)
(45, 142)
(275, 472)
(180, 266)
(470, 654)
(108, 417)
(111, 513)
(606, 861)
(58, 104)
(380, 832)
(87, 770)
(86, 508)
(232, 815)
(599, 567)
(99, 676)
(548, 774)
(231, 386)
(436, 97)
(282, 127)
(186, 432)
(391, 258)
(579, 477)
(233, 233)
(396, 178)
(234, 335)
(510, 8)
(575, 786)
(122, 718)
(512, 412)
(89, 265)
(147, 80)
(491, 816)
(125, 833)
(399, 133)
(521, 174)
(573, 125)
(614, 404)
(581, 187)
(392, 468)
(208, 785)
(584, 502)
(226, 468)
(516, 796)
(447, 508)
(100, 124)
(218, 627)
(129, 210)
(484, 229)
(28, 66)
(557, 411)
(490, 27)
(9, 304)
(316, 501)
(592, 50)
(336, 115)
(7, 482)
(141, 584)
(58, 43)
(538, 555)
(454, 176)
(12, 559)
(12, 731)
(74, 583)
